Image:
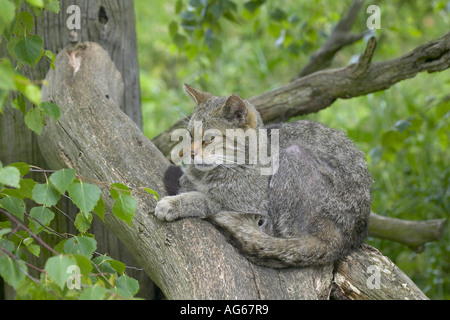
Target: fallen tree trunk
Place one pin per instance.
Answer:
(187, 259)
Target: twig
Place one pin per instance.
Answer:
(339, 38)
(11, 217)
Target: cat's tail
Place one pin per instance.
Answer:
(243, 232)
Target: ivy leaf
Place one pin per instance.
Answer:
(84, 195)
(33, 120)
(56, 268)
(45, 194)
(62, 178)
(29, 50)
(10, 176)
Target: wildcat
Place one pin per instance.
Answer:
(312, 211)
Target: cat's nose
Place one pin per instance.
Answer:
(193, 153)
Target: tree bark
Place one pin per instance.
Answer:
(366, 275)
(187, 259)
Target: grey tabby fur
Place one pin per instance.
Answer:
(312, 211)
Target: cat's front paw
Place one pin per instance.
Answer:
(166, 209)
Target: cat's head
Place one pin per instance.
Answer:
(214, 116)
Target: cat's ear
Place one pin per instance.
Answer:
(235, 109)
(198, 96)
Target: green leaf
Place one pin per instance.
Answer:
(33, 93)
(33, 248)
(402, 125)
(126, 286)
(119, 188)
(83, 223)
(4, 231)
(45, 194)
(103, 264)
(117, 265)
(124, 208)
(10, 176)
(173, 28)
(84, 263)
(180, 41)
(80, 245)
(93, 293)
(52, 6)
(62, 178)
(84, 195)
(12, 271)
(51, 57)
(36, 3)
(7, 14)
(33, 120)
(51, 110)
(153, 193)
(19, 103)
(13, 205)
(99, 209)
(41, 214)
(57, 267)
(27, 20)
(29, 50)
(22, 166)
(6, 75)
(24, 191)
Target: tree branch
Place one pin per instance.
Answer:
(319, 90)
(339, 38)
(414, 234)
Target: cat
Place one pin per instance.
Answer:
(313, 210)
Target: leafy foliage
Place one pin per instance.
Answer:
(73, 269)
(73, 252)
